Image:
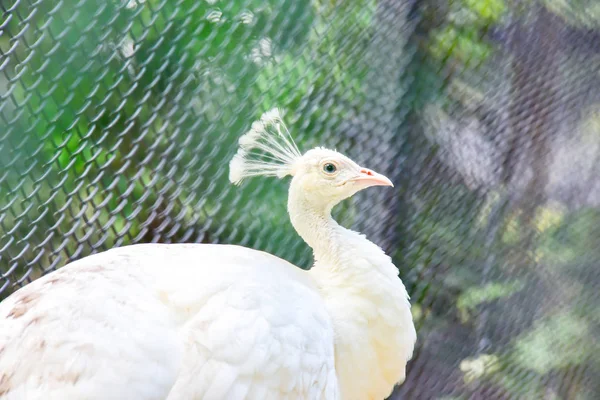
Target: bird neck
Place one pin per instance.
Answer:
(314, 224)
(334, 247)
(366, 301)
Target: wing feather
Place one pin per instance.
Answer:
(168, 322)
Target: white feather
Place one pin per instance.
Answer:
(267, 149)
(176, 322)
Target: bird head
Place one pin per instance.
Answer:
(323, 175)
(333, 177)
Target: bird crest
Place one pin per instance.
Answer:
(267, 149)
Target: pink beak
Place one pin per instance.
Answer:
(371, 178)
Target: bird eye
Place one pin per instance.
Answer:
(329, 168)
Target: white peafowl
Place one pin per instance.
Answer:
(202, 321)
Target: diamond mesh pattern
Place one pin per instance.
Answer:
(118, 119)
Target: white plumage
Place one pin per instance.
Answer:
(198, 321)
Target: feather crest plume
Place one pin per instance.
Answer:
(267, 149)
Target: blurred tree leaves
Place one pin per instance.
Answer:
(460, 36)
(584, 13)
(539, 348)
(474, 296)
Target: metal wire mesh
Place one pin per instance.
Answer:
(118, 118)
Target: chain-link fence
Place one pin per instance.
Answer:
(118, 119)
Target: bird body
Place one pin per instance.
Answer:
(168, 327)
(200, 321)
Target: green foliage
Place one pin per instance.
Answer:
(483, 12)
(562, 245)
(555, 342)
(461, 37)
(579, 13)
(481, 366)
(462, 44)
(474, 296)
